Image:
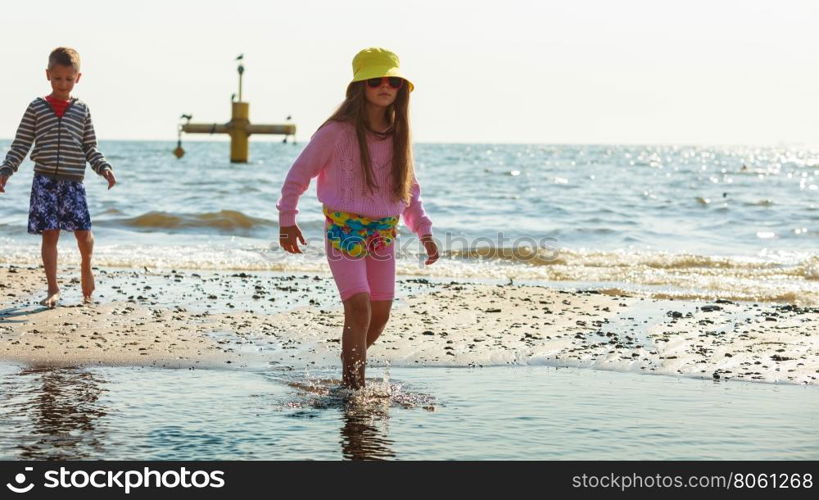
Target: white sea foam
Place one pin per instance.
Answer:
(789, 277)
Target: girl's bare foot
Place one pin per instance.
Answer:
(51, 300)
(87, 284)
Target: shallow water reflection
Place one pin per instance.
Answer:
(53, 413)
(364, 436)
(364, 414)
(514, 413)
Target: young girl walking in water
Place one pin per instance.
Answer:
(363, 159)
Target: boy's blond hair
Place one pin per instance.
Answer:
(64, 56)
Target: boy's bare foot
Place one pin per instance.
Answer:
(87, 284)
(51, 300)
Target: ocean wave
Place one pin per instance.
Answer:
(221, 221)
(792, 279)
(616, 259)
(760, 203)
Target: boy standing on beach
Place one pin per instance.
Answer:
(63, 135)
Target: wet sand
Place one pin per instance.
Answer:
(257, 320)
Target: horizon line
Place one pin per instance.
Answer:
(779, 144)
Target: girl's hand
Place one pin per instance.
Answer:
(3, 180)
(431, 249)
(289, 237)
(110, 177)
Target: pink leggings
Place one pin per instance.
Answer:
(373, 274)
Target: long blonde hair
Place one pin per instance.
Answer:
(354, 110)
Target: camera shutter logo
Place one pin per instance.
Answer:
(20, 478)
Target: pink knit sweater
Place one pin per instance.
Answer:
(333, 156)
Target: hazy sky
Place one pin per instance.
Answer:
(569, 71)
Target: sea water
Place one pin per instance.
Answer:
(690, 221)
(521, 413)
(683, 221)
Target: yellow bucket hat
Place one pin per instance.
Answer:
(376, 62)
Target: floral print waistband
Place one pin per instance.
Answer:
(357, 235)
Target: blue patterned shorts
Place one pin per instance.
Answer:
(57, 204)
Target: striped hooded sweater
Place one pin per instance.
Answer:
(62, 146)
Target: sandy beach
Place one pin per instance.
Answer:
(251, 320)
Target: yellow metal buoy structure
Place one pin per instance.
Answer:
(238, 128)
(178, 151)
(240, 120)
